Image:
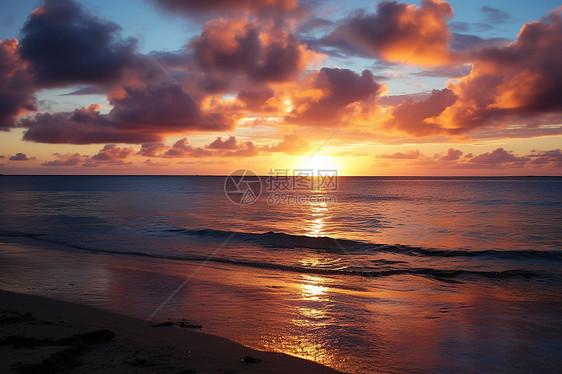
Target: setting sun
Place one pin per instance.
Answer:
(320, 162)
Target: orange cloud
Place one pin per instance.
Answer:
(292, 144)
(512, 83)
(399, 32)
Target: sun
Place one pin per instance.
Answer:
(319, 162)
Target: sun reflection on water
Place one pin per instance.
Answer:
(316, 225)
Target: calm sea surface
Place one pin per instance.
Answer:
(379, 275)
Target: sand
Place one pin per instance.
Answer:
(41, 335)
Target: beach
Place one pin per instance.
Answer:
(111, 343)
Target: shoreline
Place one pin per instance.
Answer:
(64, 336)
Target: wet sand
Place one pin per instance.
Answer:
(40, 335)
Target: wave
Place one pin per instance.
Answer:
(282, 240)
(445, 275)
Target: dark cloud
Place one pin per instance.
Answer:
(332, 93)
(20, 157)
(66, 45)
(16, 86)
(495, 15)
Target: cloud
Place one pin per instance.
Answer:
(180, 149)
(469, 27)
(152, 149)
(498, 157)
(142, 113)
(260, 51)
(66, 45)
(16, 86)
(111, 152)
(148, 162)
(20, 157)
(408, 155)
(233, 148)
(82, 126)
(330, 94)
(466, 42)
(256, 98)
(495, 15)
(61, 45)
(398, 32)
(65, 160)
(292, 144)
(507, 85)
(451, 72)
(553, 157)
(513, 83)
(414, 117)
(452, 155)
(230, 143)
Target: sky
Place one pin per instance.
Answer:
(430, 88)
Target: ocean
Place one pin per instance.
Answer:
(371, 274)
